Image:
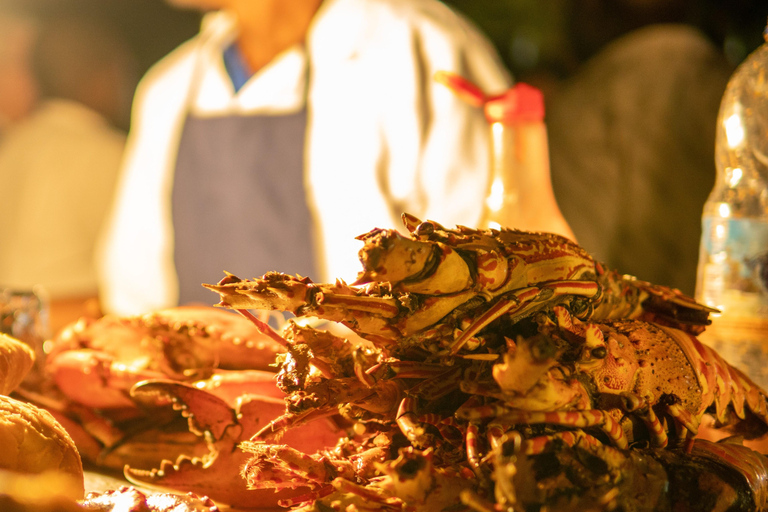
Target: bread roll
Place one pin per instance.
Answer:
(16, 359)
(34, 442)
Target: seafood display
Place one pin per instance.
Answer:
(40, 466)
(463, 370)
(480, 337)
(212, 366)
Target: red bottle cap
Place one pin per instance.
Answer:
(521, 103)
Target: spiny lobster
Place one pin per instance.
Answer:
(577, 474)
(439, 288)
(514, 330)
(470, 339)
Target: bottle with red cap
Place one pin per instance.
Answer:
(520, 191)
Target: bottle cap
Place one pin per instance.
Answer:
(521, 103)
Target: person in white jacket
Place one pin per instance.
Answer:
(285, 129)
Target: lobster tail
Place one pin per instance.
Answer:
(624, 296)
(735, 399)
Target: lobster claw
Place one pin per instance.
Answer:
(217, 474)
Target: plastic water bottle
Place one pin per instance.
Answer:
(733, 258)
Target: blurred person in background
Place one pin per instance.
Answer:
(59, 164)
(18, 89)
(285, 129)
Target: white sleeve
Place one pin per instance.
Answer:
(135, 256)
(385, 137)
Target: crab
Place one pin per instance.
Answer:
(167, 397)
(96, 362)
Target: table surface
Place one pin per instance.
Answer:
(99, 482)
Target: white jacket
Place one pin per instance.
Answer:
(383, 137)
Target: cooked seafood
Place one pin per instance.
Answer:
(439, 288)
(95, 362)
(210, 364)
(494, 370)
(130, 499)
(477, 335)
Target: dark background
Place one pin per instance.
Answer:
(540, 41)
(600, 130)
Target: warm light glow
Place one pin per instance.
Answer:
(719, 258)
(495, 199)
(123, 502)
(736, 175)
(497, 129)
(725, 211)
(734, 130)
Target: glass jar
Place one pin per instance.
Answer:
(24, 316)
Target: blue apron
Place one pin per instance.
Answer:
(239, 202)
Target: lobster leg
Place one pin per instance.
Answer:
(495, 432)
(688, 423)
(473, 452)
(578, 419)
(449, 428)
(536, 445)
(639, 406)
(409, 424)
(522, 302)
(308, 497)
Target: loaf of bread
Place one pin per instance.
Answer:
(16, 359)
(34, 442)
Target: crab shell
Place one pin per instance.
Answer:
(96, 362)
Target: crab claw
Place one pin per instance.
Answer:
(223, 427)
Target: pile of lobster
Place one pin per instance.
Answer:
(495, 370)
